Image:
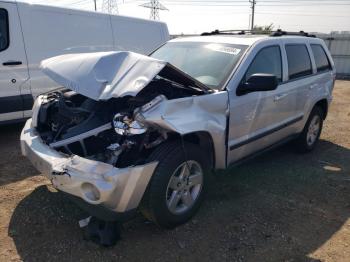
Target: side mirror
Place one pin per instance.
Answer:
(258, 82)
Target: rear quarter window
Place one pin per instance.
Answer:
(299, 63)
(4, 29)
(321, 59)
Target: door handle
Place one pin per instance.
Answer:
(12, 63)
(279, 97)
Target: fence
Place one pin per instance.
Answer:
(339, 46)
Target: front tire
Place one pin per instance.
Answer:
(176, 189)
(309, 137)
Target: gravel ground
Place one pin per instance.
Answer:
(280, 206)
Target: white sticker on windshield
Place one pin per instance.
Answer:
(224, 49)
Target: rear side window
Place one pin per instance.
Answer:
(4, 29)
(321, 59)
(299, 63)
(267, 61)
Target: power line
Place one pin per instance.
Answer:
(233, 3)
(299, 14)
(245, 3)
(265, 1)
(262, 4)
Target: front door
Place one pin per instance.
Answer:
(15, 94)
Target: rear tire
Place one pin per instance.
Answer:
(309, 137)
(176, 189)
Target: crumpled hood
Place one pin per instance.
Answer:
(103, 75)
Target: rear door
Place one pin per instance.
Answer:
(324, 75)
(300, 74)
(15, 94)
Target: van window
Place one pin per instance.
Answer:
(299, 63)
(267, 61)
(321, 59)
(4, 29)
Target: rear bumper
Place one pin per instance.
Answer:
(98, 184)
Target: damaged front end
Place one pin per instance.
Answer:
(93, 137)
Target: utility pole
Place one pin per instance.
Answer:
(95, 5)
(155, 6)
(253, 2)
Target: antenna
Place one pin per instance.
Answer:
(110, 6)
(155, 6)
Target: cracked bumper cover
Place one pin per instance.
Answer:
(97, 183)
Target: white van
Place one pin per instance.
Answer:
(30, 33)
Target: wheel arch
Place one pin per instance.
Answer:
(323, 104)
(203, 139)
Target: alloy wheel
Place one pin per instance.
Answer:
(184, 187)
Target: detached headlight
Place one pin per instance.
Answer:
(123, 125)
(136, 128)
(119, 124)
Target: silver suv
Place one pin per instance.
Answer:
(128, 131)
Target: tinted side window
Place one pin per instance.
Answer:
(4, 29)
(299, 63)
(321, 59)
(267, 61)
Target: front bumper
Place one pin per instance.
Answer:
(97, 183)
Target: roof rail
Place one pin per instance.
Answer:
(279, 32)
(227, 32)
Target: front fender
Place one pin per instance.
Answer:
(206, 113)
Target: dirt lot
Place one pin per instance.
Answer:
(279, 207)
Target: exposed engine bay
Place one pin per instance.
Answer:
(111, 131)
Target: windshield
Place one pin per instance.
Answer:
(209, 63)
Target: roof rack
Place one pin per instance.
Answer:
(279, 32)
(228, 32)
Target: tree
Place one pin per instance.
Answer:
(266, 29)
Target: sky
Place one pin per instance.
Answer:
(195, 16)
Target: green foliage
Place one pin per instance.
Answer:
(266, 29)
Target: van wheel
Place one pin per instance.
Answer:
(308, 139)
(176, 189)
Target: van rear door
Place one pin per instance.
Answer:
(15, 94)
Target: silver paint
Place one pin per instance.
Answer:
(119, 189)
(187, 115)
